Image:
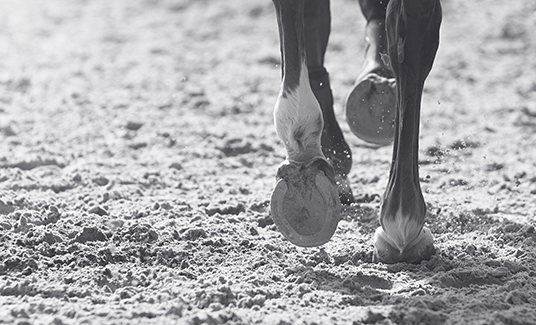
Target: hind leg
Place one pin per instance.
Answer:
(317, 21)
(370, 104)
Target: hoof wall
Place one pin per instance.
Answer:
(370, 109)
(421, 249)
(305, 202)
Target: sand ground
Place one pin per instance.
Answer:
(137, 158)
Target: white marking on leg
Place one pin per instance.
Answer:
(298, 120)
(402, 230)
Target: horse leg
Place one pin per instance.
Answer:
(317, 24)
(413, 39)
(304, 204)
(370, 105)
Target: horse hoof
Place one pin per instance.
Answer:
(370, 109)
(305, 202)
(421, 249)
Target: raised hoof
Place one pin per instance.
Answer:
(305, 203)
(370, 109)
(421, 249)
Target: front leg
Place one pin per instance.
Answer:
(305, 202)
(413, 39)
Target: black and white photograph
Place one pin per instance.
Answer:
(271, 162)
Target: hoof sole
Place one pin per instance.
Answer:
(305, 203)
(421, 249)
(370, 109)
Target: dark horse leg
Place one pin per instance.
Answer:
(317, 22)
(413, 39)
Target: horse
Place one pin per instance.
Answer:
(383, 106)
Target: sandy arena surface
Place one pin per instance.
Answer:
(138, 154)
